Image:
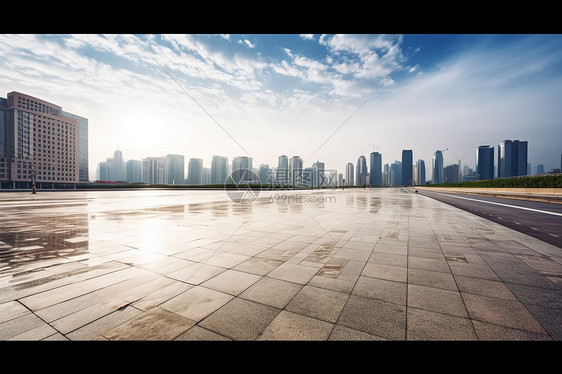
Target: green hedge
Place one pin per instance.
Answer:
(543, 181)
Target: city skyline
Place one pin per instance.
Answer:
(323, 97)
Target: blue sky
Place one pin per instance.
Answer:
(325, 98)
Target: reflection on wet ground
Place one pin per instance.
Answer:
(377, 264)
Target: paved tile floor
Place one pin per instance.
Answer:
(378, 264)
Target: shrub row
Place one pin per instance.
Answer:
(541, 181)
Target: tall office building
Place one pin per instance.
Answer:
(175, 169)
(451, 173)
(361, 176)
(206, 176)
(219, 169)
(155, 170)
(37, 142)
(386, 175)
(420, 172)
(195, 171)
(104, 171)
(242, 170)
(295, 171)
(264, 173)
(349, 180)
(319, 178)
(512, 158)
(407, 166)
(396, 173)
(375, 173)
(437, 168)
(484, 162)
(117, 167)
(133, 172)
(282, 171)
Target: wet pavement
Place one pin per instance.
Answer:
(379, 264)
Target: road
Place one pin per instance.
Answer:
(541, 220)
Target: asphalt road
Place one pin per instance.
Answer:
(541, 220)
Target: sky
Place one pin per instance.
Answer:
(323, 97)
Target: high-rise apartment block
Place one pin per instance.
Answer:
(219, 169)
(195, 171)
(39, 143)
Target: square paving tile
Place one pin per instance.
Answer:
(507, 313)
(381, 289)
(434, 279)
(428, 325)
(240, 319)
(196, 303)
(318, 303)
(158, 324)
(436, 300)
(388, 272)
(293, 273)
(271, 291)
(374, 317)
(231, 282)
(290, 326)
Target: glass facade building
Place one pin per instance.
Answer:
(484, 162)
(361, 176)
(407, 167)
(375, 173)
(437, 168)
(512, 158)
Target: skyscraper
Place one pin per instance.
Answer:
(242, 170)
(176, 169)
(420, 172)
(38, 142)
(195, 171)
(264, 173)
(375, 173)
(361, 177)
(512, 158)
(155, 170)
(219, 169)
(437, 168)
(396, 173)
(295, 171)
(117, 167)
(407, 165)
(282, 172)
(133, 171)
(484, 162)
(451, 173)
(349, 180)
(319, 177)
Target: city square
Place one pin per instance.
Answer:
(359, 264)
